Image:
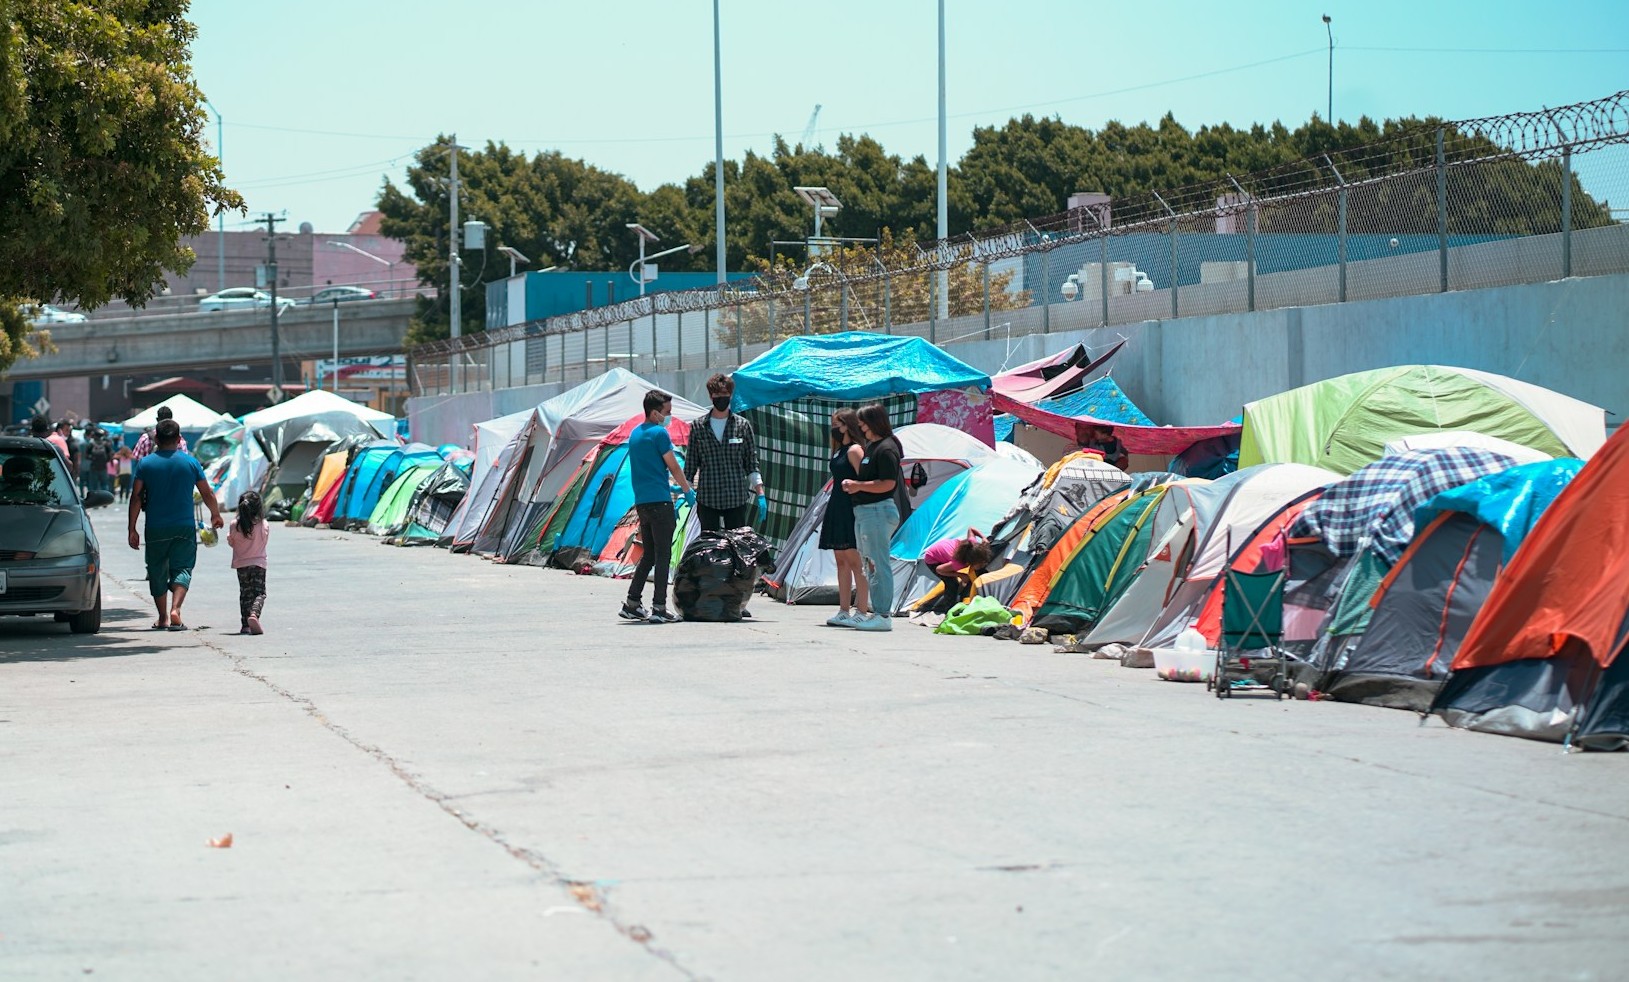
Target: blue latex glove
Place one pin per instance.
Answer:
(763, 509)
(690, 498)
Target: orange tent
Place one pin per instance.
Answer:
(1567, 589)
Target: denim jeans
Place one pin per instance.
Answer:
(874, 531)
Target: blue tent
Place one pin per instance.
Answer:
(370, 473)
(975, 498)
(1099, 399)
(606, 498)
(852, 366)
(1509, 501)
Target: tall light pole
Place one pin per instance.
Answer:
(944, 207)
(718, 146)
(220, 229)
(1330, 112)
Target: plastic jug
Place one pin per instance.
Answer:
(1190, 640)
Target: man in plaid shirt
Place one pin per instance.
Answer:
(721, 461)
(145, 445)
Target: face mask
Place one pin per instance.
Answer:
(722, 403)
(836, 434)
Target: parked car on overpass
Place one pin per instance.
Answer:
(43, 313)
(339, 294)
(241, 298)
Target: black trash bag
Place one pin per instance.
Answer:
(717, 573)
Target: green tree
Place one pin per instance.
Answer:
(556, 210)
(103, 172)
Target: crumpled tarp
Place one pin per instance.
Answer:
(850, 366)
(974, 616)
(1047, 377)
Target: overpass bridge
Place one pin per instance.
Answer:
(184, 341)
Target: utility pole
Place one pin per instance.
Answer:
(943, 276)
(271, 277)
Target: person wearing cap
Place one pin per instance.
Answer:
(165, 481)
(145, 445)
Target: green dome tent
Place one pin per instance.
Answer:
(1344, 423)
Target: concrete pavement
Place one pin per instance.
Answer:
(435, 767)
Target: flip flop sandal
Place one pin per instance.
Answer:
(176, 627)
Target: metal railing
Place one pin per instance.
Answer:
(1475, 203)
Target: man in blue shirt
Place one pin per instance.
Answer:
(165, 480)
(651, 464)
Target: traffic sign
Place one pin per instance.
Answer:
(40, 407)
(274, 395)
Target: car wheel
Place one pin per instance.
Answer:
(88, 621)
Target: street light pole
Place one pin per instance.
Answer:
(944, 208)
(1330, 111)
(390, 266)
(334, 365)
(220, 229)
(718, 146)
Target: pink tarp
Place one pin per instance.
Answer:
(1155, 440)
(1050, 376)
(967, 410)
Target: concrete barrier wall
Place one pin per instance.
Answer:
(1568, 335)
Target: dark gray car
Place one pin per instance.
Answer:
(50, 560)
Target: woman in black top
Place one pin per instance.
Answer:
(875, 513)
(837, 528)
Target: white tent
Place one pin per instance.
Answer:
(291, 435)
(492, 440)
(540, 457)
(1465, 438)
(1254, 495)
(190, 414)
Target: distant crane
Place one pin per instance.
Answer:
(809, 131)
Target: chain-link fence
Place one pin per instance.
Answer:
(1478, 203)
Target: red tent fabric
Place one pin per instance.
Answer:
(1157, 440)
(677, 428)
(1567, 589)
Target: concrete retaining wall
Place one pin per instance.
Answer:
(1568, 335)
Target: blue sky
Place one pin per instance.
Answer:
(323, 99)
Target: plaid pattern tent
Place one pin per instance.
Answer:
(794, 448)
(1374, 508)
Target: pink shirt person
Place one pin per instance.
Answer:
(247, 550)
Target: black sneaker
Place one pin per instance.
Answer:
(632, 611)
(746, 614)
(661, 615)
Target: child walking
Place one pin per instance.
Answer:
(247, 537)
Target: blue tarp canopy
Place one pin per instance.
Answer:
(851, 366)
(1099, 399)
(1509, 501)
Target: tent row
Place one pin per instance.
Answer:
(1395, 502)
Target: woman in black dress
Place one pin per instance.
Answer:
(837, 530)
